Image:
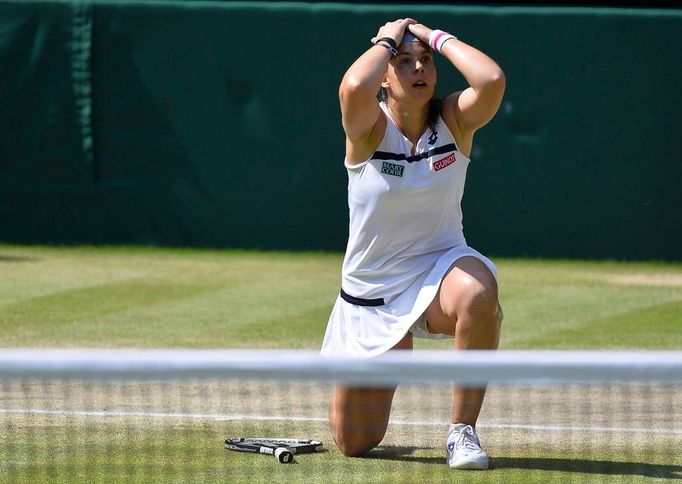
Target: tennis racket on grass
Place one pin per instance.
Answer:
(282, 449)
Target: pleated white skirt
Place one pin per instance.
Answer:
(366, 331)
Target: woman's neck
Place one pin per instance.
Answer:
(411, 120)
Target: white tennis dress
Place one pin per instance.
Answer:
(405, 233)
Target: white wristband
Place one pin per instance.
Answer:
(438, 38)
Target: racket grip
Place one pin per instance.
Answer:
(284, 455)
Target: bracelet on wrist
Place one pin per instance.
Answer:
(389, 43)
(438, 38)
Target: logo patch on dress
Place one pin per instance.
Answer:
(392, 169)
(442, 163)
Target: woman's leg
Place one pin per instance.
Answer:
(359, 416)
(467, 307)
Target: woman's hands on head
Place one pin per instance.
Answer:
(395, 30)
(421, 31)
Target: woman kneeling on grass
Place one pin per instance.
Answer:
(408, 269)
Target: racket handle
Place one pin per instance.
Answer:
(284, 455)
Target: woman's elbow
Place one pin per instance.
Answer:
(496, 82)
(498, 79)
(351, 86)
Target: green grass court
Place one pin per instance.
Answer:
(177, 298)
(143, 297)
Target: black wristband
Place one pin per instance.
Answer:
(389, 41)
(391, 50)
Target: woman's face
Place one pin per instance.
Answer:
(412, 75)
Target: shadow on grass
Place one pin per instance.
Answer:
(16, 258)
(586, 466)
(403, 453)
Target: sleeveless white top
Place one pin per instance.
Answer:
(405, 232)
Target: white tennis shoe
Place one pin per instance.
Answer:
(464, 448)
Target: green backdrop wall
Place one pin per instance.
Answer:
(217, 124)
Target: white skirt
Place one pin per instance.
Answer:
(366, 331)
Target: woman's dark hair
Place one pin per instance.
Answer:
(435, 104)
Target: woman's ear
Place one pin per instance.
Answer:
(384, 82)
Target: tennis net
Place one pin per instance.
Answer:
(163, 415)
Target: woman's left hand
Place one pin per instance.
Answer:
(421, 31)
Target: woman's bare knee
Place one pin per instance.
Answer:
(464, 302)
(480, 303)
(480, 325)
(355, 445)
(355, 440)
(358, 418)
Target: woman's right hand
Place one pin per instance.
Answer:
(394, 30)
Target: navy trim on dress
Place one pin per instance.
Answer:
(385, 155)
(358, 301)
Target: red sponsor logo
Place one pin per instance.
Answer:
(447, 161)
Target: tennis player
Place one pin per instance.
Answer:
(408, 270)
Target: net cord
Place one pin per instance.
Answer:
(466, 367)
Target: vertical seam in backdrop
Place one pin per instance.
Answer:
(81, 47)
